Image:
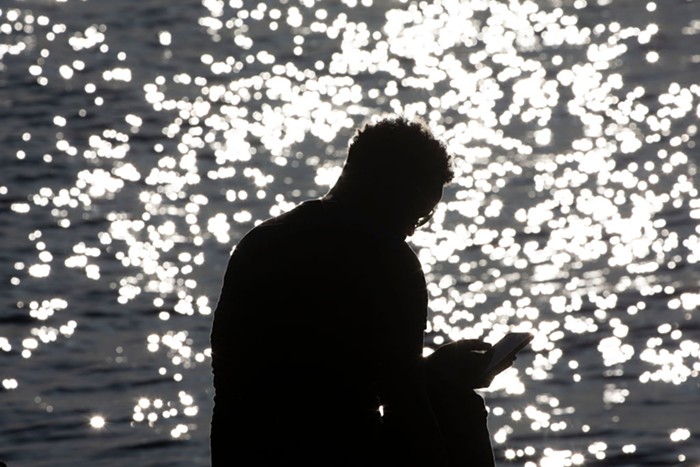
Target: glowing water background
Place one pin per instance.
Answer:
(140, 139)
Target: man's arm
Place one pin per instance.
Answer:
(410, 432)
(431, 414)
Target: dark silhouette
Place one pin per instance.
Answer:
(320, 322)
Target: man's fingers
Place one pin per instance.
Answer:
(474, 344)
(506, 364)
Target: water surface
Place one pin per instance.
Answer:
(141, 139)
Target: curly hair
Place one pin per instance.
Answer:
(398, 148)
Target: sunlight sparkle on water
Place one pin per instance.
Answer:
(680, 434)
(573, 214)
(98, 422)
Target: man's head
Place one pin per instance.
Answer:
(395, 170)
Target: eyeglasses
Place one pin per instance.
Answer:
(424, 219)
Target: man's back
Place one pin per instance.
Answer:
(316, 307)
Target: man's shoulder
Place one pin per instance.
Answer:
(284, 225)
(302, 215)
(313, 223)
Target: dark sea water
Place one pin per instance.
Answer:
(139, 140)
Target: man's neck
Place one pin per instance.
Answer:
(361, 213)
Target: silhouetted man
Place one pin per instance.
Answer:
(317, 339)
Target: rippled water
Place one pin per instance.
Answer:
(141, 139)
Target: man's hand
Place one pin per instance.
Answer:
(462, 364)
